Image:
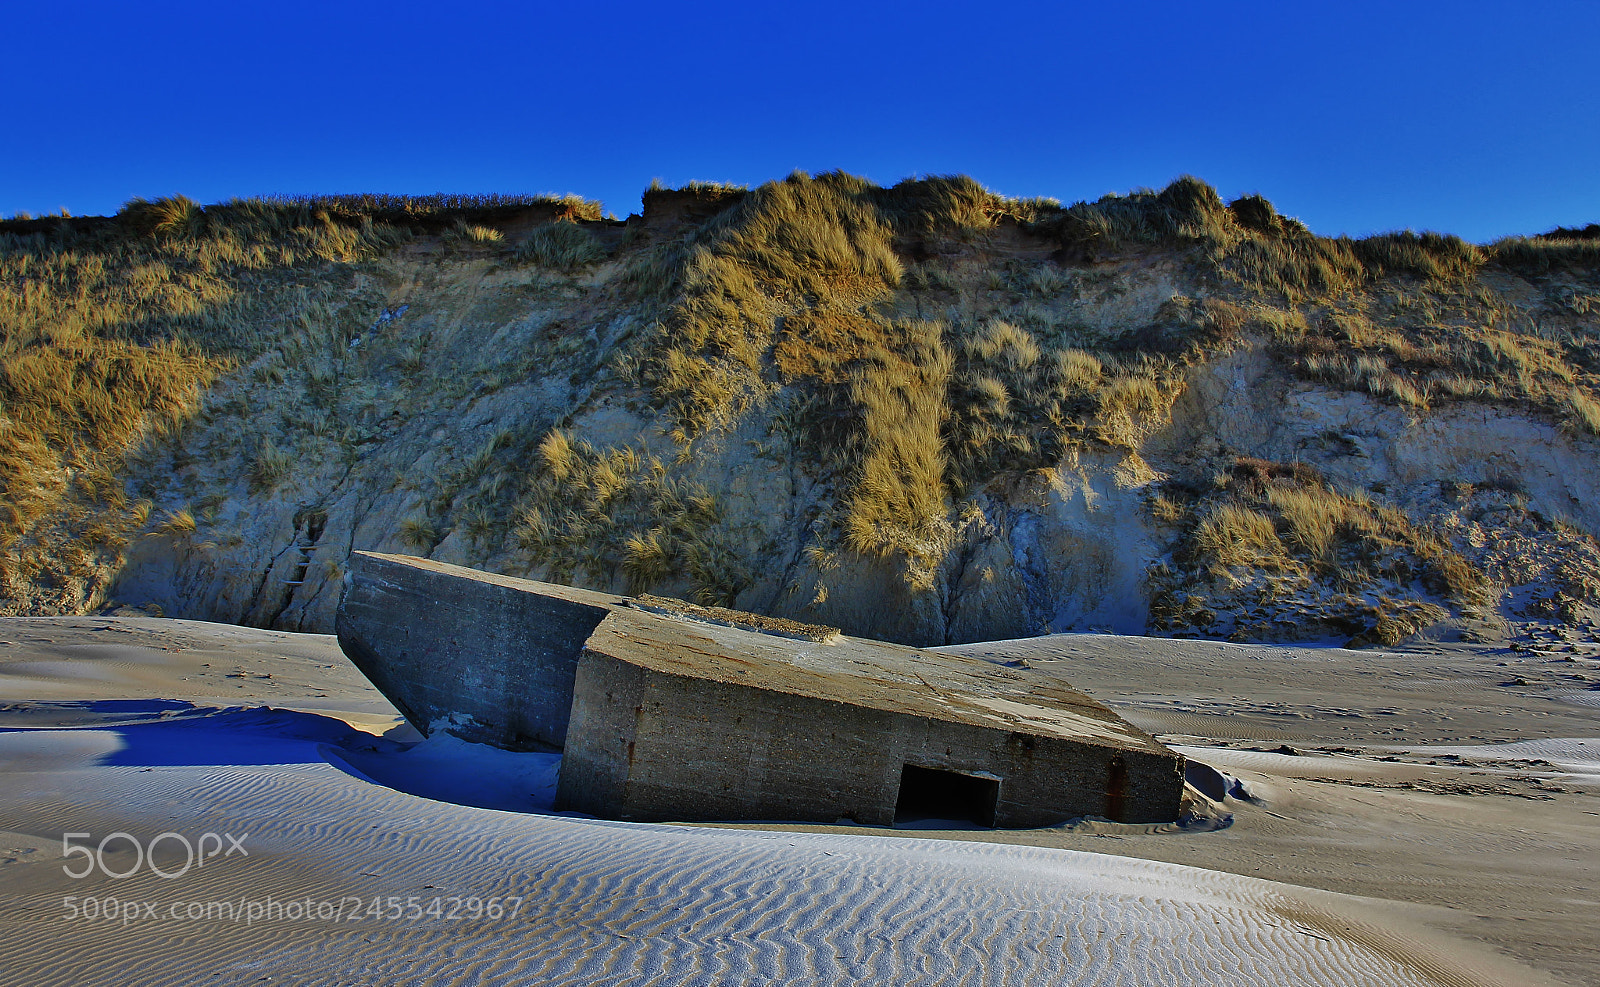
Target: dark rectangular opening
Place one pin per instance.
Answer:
(928, 793)
(1116, 789)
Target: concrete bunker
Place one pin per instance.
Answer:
(478, 655)
(667, 711)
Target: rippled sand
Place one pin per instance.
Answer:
(133, 737)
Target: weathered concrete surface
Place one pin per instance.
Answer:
(663, 715)
(684, 720)
(489, 658)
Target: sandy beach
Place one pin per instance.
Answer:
(1421, 817)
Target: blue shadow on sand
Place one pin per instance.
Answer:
(151, 733)
(169, 733)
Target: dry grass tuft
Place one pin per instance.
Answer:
(179, 524)
(1585, 410)
(1003, 343)
(419, 533)
(464, 233)
(268, 468)
(896, 499)
(1230, 535)
(594, 514)
(1276, 534)
(561, 246)
(798, 244)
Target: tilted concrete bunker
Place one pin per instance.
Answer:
(666, 711)
(491, 656)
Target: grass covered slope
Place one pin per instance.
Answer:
(925, 412)
(112, 329)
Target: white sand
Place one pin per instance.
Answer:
(103, 729)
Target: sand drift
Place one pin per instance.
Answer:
(580, 901)
(365, 858)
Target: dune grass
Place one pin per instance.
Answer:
(1276, 531)
(787, 292)
(111, 330)
(915, 345)
(896, 499)
(1406, 317)
(798, 244)
(595, 514)
(1426, 359)
(809, 259)
(440, 210)
(563, 246)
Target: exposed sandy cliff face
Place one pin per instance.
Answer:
(1122, 434)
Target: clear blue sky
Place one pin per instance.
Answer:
(1480, 119)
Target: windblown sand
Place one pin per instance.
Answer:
(1397, 819)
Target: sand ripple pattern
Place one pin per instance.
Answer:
(622, 904)
(1564, 748)
(612, 903)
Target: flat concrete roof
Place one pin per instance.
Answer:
(872, 674)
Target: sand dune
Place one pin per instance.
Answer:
(337, 818)
(599, 902)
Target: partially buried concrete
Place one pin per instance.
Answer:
(488, 657)
(667, 711)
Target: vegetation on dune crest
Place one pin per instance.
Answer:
(433, 213)
(908, 349)
(792, 298)
(112, 328)
(796, 245)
